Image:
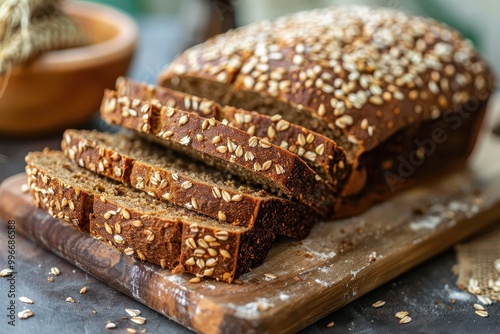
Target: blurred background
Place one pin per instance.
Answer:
(478, 20)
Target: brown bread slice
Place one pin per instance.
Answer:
(184, 182)
(226, 147)
(319, 151)
(142, 226)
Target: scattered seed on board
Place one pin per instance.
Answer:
(482, 314)
(83, 290)
(330, 325)
(479, 307)
(25, 314)
(6, 272)
(55, 271)
(110, 325)
(131, 330)
(378, 303)
(401, 314)
(270, 276)
(405, 320)
(138, 320)
(132, 312)
(484, 300)
(70, 300)
(25, 300)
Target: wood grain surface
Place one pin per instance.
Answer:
(336, 264)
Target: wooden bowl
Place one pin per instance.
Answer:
(64, 88)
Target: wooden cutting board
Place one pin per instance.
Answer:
(336, 264)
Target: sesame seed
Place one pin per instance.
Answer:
(191, 243)
(118, 239)
(25, 300)
(55, 271)
(221, 149)
(186, 185)
(401, 314)
(183, 120)
(195, 280)
(344, 121)
(128, 251)
(236, 198)
(194, 203)
(279, 169)
(378, 303)
(225, 253)
(270, 276)
(222, 235)
(226, 196)
(190, 262)
(405, 320)
(125, 213)
(110, 325)
(6, 272)
(310, 156)
(185, 140)
(199, 137)
(132, 312)
(482, 314)
(266, 165)
(200, 263)
(320, 149)
(138, 320)
(25, 314)
(479, 307)
(264, 143)
(253, 141)
(167, 134)
(221, 215)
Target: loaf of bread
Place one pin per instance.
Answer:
(372, 79)
(216, 143)
(141, 226)
(184, 182)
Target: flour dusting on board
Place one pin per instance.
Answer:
(429, 222)
(440, 213)
(135, 276)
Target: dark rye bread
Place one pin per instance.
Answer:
(142, 226)
(168, 176)
(225, 147)
(331, 71)
(319, 151)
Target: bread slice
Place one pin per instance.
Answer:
(140, 225)
(226, 147)
(181, 181)
(320, 152)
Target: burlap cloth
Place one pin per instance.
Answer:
(478, 264)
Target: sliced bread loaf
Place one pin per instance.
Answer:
(319, 151)
(359, 75)
(184, 182)
(226, 147)
(140, 225)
